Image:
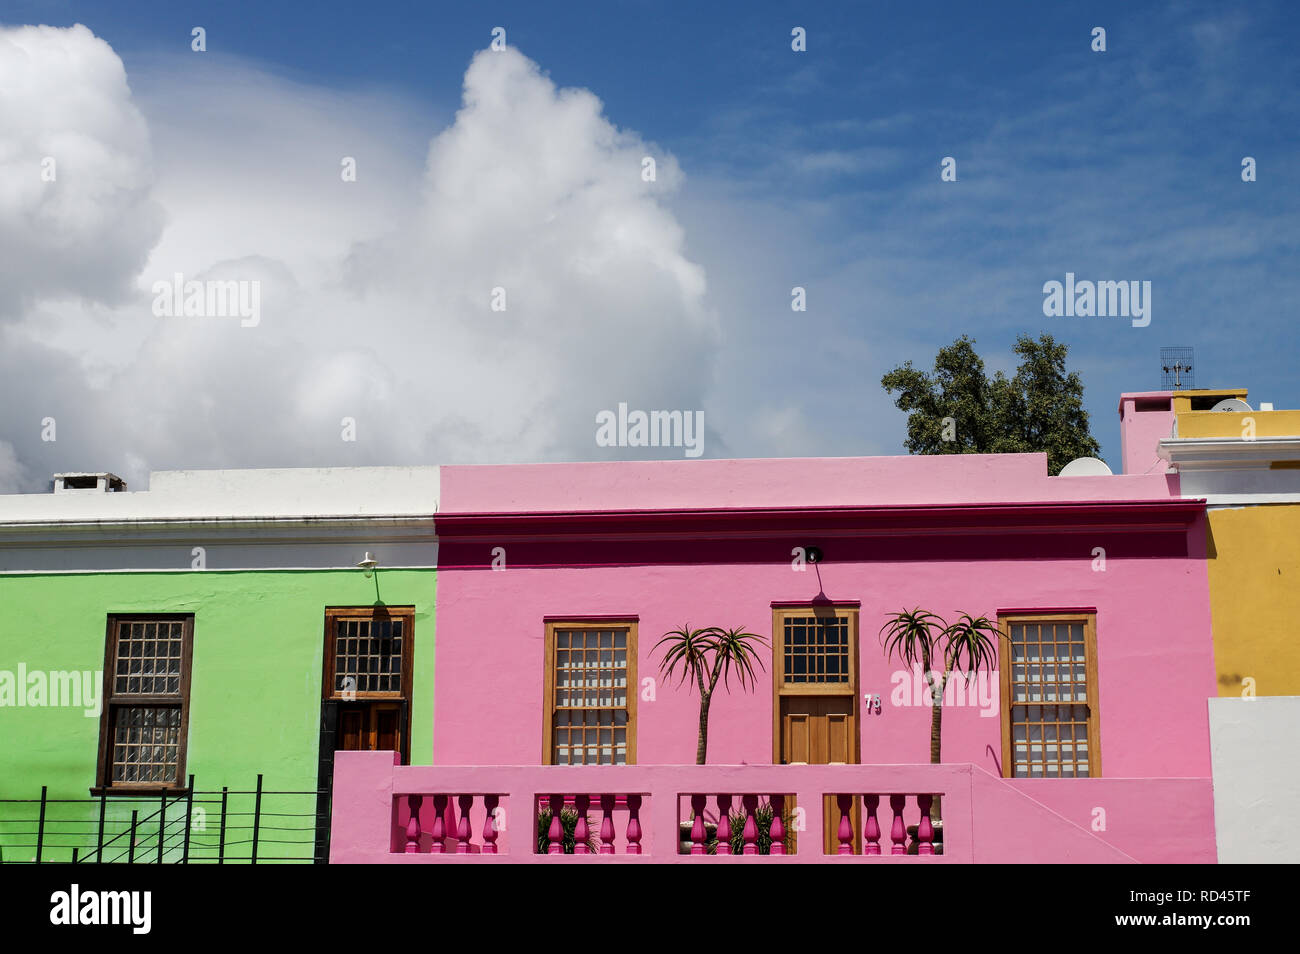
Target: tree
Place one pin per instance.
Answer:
(959, 410)
(918, 637)
(707, 655)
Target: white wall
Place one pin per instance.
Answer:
(1256, 778)
(243, 519)
(227, 494)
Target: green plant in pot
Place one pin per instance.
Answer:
(764, 815)
(568, 824)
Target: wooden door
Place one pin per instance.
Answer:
(815, 684)
(821, 730)
(368, 676)
(817, 730)
(369, 727)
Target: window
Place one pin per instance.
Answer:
(1049, 697)
(367, 678)
(368, 652)
(816, 648)
(590, 693)
(146, 702)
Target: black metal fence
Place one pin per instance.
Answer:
(193, 827)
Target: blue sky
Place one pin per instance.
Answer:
(821, 169)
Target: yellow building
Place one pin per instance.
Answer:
(1246, 464)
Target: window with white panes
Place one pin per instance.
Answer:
(591, 693)
(1049, 695)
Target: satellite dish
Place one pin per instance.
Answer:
(1085, 467)
(1233, 406)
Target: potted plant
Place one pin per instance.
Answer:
(568, 824)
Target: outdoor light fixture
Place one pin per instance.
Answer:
(812, 554)
(368, 564)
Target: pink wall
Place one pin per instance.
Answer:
(1145, 417)
(1153, 634)
(1156, 821)
(787, 482)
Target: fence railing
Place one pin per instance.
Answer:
(388, 813)
(773, 814)
(226, 826)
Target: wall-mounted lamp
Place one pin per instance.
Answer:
(368, 564)
(813, 554)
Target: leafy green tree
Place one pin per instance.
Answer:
(959, 409)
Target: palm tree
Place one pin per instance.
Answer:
(914, 637)
(707, 655)
(919, 636)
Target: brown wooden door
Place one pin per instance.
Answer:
(370, 727)
(817, 730)
(815, 689)
(821, 730)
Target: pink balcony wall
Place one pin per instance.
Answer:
(986, 819)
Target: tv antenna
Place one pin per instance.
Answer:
(1176, 369)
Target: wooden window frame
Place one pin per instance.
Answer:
(328, 671)
(781, 688)
(1089, 620)
(112, 701)
(628, 623)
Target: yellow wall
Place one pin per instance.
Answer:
(1183, 399)
(1254, 570)
(1229, 424)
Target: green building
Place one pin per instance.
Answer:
(220, 626)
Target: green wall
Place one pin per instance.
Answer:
(255, 689)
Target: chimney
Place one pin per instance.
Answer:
(1144, 418)
(96, 483)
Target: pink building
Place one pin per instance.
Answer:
(1088, 743)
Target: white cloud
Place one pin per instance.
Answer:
(375, 293)
(66, 115)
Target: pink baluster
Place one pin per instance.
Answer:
(898, 833)
(413, 826)
(466, 803)
(871, 827)
(750, 833)
(778, 824)
(845, 832)
(607, 825)
(924, 829)
(439, 830)
(633, 825)
(490, 803)
(580, 834)
(450, 824)
(555, 834)
(724, 824)
(697, 826)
